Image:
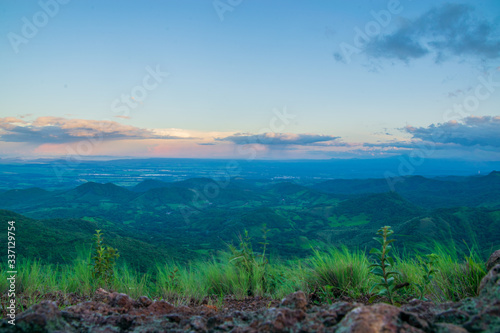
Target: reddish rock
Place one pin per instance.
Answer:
(380, 318)
(122, 301)
(144, 301)
(297, 300)
(101, 295)
(119, 313)
(331, 315)
(160, 308)
(42, 317)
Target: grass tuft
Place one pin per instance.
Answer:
(333, 274)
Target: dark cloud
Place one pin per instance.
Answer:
(61, 130)
(469, 134)
(443, 32)
(471, 131)
(398, 45)
(278, 139)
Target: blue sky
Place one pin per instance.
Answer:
(261, 78)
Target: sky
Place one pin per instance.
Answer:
(268, 79)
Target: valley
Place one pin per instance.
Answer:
(195, 218)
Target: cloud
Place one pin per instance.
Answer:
(443, 32)
(278, 139)
(402, 146)
(175, 132)
(8, 123)
(471, 131)
(398, 45)
(61, 130)
(53, 134)
(457, 93)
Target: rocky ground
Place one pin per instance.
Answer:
(114, 312)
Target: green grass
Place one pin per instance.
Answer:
(336, 273)
(458, 276)
(344, 271)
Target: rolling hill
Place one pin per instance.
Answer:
(188, 219)
(474, 191)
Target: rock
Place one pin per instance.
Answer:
(493, 260)
(297, 300)
(380, 318)
(121, 301)
(489, 284)
(448, 328)
(101, 295)
(122, 322)
(425, 310)
(119, 313)
(42, 317)
(105, 329)
(454, 316)
(279, 320)
(335, 313)
(144, 301)
(484, 310)
(160, 308)
(173, 317)
(199, 324)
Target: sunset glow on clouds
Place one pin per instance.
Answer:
(51, 136)
(272, 80)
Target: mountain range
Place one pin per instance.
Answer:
(194, 218)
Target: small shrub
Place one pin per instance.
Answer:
(252, 266)
(103, 260)
(384, 266)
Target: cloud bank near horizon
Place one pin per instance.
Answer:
(63, 130)
(51, 134)
(283, 139)
(471, 132)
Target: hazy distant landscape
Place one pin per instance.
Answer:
(76, 170)
(146, 214)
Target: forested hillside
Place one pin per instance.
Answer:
(195, 218)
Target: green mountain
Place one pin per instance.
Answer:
(429, 193)
(468, 228)
(196, 217)
(21, 196)
(57, 241)
(389, 208)
(95, 192)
